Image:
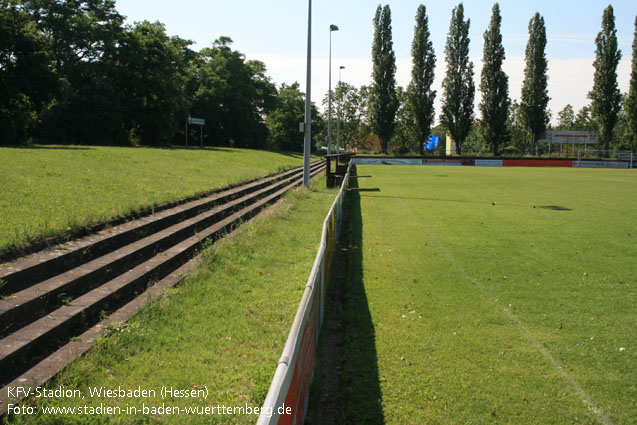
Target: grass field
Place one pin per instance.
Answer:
(49, 189)
(223, 329)
(480, 296)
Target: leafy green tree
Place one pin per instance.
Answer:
(71, 72)
(80, 31)
(535, 97)
(420, 96)
(622, 135)
(353, 101)
(494, 85)
(150, 69)
(566, 118)
(351, 116)
(584, 120)
(27, 82)
(405, 135)
(264, 90)
(365, 134)
(631, 101)
(233, 96)
(458, 86)
(80, 34)
(474, 143)
(518, 133)
(283, 120)
(356, 111)
(605, 96)
(383, 101)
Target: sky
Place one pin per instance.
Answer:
(275, 32)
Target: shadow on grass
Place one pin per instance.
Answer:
(415, 198)
(296, 155)
(365, 398)
(462, 201)
(52, 147)
(195, 147)
(555, 208)
(346, 386)
(369, 189)
(192, 147)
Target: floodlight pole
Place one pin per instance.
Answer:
(307, 146)
(340, 111)
(329, 96)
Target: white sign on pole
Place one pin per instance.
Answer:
(196, 121)
(570, 137)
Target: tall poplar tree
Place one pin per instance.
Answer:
(420, 96)
(494, 85)
(631, 101)
(535, 94)
(383, 102)
(458, 86)
(605, 96)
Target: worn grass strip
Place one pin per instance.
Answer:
(223, 329)
(494, 296)
(48, 190)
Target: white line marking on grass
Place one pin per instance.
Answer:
(584, 397)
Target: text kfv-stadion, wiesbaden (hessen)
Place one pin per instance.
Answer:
(133, 402)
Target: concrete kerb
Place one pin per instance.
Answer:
(290, 384)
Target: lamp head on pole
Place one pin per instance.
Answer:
(333, 27)
(342, 67)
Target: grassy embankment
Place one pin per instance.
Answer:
(49, 190)
(222, 329)
(482, 296)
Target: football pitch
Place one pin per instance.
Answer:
(484, 295)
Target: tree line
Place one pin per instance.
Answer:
(71, 72)
(403, 118)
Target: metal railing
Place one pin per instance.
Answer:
(287, 397)
(585, 155)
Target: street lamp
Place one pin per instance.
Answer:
(340, 111)
(307, 125)
(329, 97)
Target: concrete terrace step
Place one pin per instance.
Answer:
(18, 308)
(25, 348)
(42, 265)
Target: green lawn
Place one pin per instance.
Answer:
(49, 189)
(492, 295)
(223, 329)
